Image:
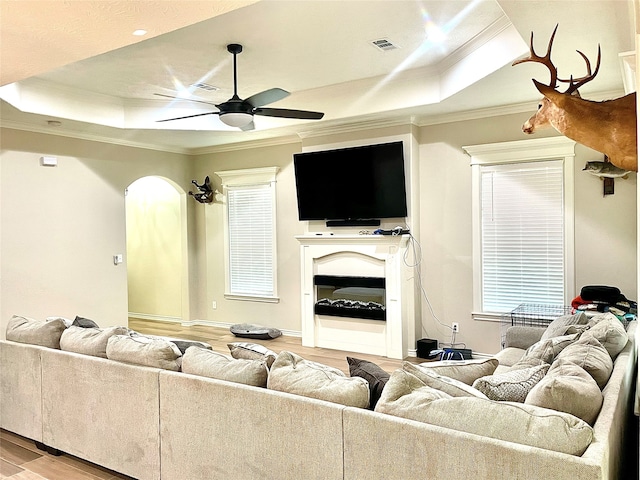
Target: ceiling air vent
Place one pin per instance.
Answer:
(384, 44)
(205, 86)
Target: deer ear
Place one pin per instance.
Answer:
(551, 94)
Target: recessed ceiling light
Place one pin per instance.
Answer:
(139, 33)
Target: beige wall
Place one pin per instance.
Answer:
(605, 228)
(79, 207)
(62, 225)
(211, 278)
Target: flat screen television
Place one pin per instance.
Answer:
(351, 186)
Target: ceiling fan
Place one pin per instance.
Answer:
(237, 112)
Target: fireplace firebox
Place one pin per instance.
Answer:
(353, 297)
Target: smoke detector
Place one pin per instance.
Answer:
(384, 44)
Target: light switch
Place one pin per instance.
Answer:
(117, 259)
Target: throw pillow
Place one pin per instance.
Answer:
(511, 386)
(89, 341)
(252, 351)
(407, 396)
(405, 393)
(84, 323)
(564, 325)
(207, 363)
(141, 350)
(610, 332)
(257, 332)
(28, 330)
(450, 386)
(466, 371)
(568, 388)
(66, 321)
(375, 376)
(293, 374)
(589, 354)
(547, 350)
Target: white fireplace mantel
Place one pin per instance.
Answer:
(358, 255)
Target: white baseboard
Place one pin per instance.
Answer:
(156, 318)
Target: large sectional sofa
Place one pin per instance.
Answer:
(161, 423)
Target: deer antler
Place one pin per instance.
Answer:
(575, 83)
(546, 60)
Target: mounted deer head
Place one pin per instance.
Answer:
(608, 127)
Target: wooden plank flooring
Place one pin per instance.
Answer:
(21, 460)
(218, 338)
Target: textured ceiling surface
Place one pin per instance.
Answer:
(77, 62)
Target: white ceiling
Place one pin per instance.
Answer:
(76, 62)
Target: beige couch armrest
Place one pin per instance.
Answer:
(523, 337)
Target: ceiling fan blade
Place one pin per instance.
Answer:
(267, 97)
(248, 127)
(186, 99)
(287, 113)
(188, 116)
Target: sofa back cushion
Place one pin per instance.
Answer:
(609, 331)
(252, 351)
(589, 354)
(448, 385)
(36, 332)
(466, 371)
(140, 350)
(407, 396)
(568, 388)
(293, 374)
(89, 340)
(207, 363)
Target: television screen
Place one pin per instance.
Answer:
(351, 183)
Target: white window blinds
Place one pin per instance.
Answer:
(522, 235)
(251, 240)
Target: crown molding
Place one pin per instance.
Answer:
(61, 132)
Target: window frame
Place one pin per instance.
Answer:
(250, 178)
(522, 151)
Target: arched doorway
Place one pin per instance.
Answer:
(157, 264)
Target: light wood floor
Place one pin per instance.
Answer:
(21, 460)
(218, 338)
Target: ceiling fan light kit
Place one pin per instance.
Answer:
(239, 113)
(236, 119)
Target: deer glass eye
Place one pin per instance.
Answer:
(539, 106)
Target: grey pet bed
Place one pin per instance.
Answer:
(249, 330)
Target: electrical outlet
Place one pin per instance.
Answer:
(455, 327)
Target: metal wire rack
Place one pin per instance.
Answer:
(531, 315)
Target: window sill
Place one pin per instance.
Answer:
(251, 298)
(487, 317)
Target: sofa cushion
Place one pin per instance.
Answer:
(406, 396)
(609, 331)
(28, 330)
(141, 350)
(68, 322)
(375, 376)
(450, 386)
(252, 351)
(564, 325)
(511, 386)
(547, 350)
(207, 363)
(84, 323)
(589, 354)
(89, 341)
(568, 388)
(257, 332)
(293, 374)
(466, 371)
